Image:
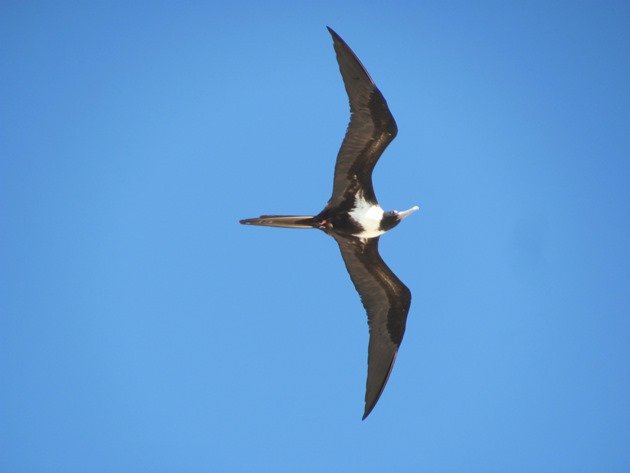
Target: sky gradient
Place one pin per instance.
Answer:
(143, 329)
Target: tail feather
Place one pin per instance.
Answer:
(286, 221)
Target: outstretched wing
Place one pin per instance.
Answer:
(372, 127)
(386, 300)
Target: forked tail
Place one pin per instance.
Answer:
(286, 221)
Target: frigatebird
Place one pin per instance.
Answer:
(356, 221)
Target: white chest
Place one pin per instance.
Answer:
(368, 216)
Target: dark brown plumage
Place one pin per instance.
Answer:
(354, 219)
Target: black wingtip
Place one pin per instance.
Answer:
(372, 398)
(369, 409)
(334, 34)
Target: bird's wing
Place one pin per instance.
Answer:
(372, 127)
(386, 300)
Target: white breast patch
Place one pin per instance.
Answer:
(368, 216)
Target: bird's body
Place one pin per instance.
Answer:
(355, 220)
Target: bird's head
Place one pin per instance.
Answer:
(394, 217)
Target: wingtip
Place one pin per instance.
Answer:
(371, 399)
(333, 33)
(370, 407)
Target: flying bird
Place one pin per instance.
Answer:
(356, 221)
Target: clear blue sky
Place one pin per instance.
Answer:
(143, 330)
